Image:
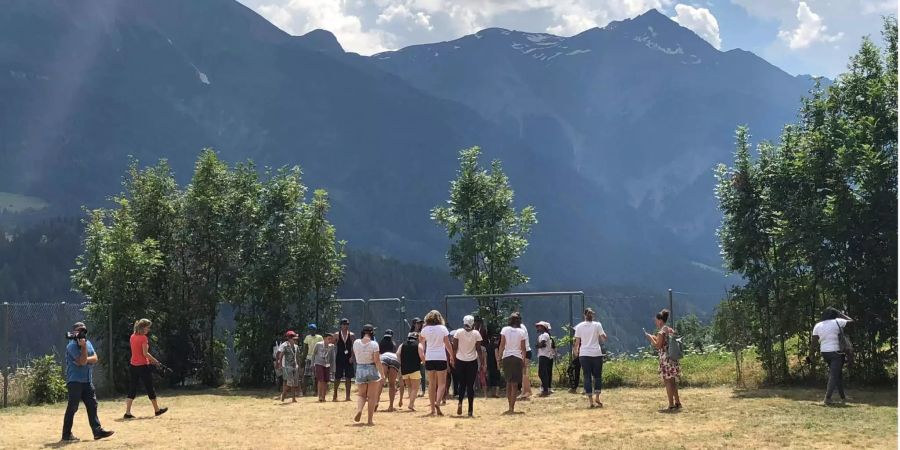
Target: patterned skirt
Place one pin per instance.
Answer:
(668, 368)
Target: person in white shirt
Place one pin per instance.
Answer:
(467, 341)
(546, 353)
(827, 334)
(588, 337)
(436, 338)
(511, 353)
(369, 372)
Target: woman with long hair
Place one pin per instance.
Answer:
(140, 369)
(369, 373)
(669, 369)
(438, 355)
(589, 335)
(411, 354)
(827, 334)
(468, 356)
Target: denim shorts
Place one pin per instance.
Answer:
(366, 373)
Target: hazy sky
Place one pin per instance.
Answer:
(811, 36)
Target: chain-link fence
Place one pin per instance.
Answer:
(29, 331)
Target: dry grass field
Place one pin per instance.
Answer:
(712, 418)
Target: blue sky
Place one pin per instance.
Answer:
(802, 37)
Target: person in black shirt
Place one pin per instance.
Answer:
(411, 355)
(343, 364)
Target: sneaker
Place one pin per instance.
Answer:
(102, 434)
(161, 411)
(70, 438)
(127, 416)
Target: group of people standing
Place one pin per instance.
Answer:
(433, 357)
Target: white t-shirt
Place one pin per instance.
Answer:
(589, 333)
(434, 342)
(828, 333)
(365, 353)
(546, 350)
(466, 342)
(514, 338)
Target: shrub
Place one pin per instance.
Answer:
(45, 381)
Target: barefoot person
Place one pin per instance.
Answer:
(468, 356)
(493, 377)
(288, 357)
(343, 363)
(526, 372)
(588, 337)
(669, 369)
(369, 373)
(511, 354)
(323, 361)
(436, 339)
(546, 352)
(309, 343)
(411, 354)
(391, 363)
(417, 325)
(140, 368)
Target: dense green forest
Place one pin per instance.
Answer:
(810, 222)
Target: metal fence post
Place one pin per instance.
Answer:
(4, 352)
(5, 385)
(671, 309)
(109, 342)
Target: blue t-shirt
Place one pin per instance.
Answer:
(74, 372)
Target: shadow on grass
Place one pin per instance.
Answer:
(872, 397)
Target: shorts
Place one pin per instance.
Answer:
(411, 376)
(290, 376)
(366, 373)
(436, 365)
(323, 374)
(343, 371)
(528, 355)
(512, 369)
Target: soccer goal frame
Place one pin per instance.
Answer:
(571, 295)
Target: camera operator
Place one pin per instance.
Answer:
(80, 360)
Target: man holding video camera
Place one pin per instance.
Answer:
(80, 360)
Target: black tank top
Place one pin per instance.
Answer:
(409, 358)
(343, 348)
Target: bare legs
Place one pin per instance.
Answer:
(413, 389)
(672, 393)
(437, 386)
(512, 392)
(392, 386)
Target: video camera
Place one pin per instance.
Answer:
(73, 335)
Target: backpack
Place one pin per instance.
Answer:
(674, 349)
(845, 346)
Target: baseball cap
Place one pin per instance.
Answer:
(389, 332)
(368, 327)
(290, 334)
(468, 321)
(345, 321)
(78, 325)
(312, 326)
(417, 320)
(412, 335)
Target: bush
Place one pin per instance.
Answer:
(212, 373)
(45, 381)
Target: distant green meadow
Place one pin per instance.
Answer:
(19, 203)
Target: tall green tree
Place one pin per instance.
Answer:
(487, 234)
(323, 262)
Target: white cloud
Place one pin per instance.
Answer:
(402, 13)
(700, 21)
(811, 29)
(302, 16)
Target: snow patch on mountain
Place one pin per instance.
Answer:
(651, 44)
(579, 51)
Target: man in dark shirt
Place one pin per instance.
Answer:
(343, 364)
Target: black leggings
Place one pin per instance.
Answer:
(545, 371)
(143, 374)
(466, 374)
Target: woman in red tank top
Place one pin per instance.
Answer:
(140, 369)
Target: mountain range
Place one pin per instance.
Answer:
(612, 134)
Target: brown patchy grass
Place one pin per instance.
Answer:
(713, 418)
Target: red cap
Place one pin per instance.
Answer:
(290, 334)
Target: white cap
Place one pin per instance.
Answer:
(544, 324)
(469, 321)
